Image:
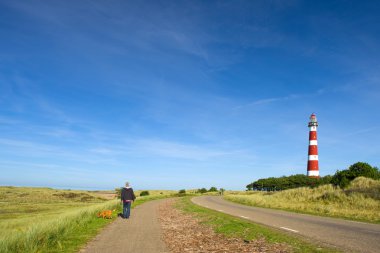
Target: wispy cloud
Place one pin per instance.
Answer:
(27, 145)
(107, 151)
(24, 96)
(176, 150)
(62, 152)
(181, 150)
(9, 121)
(362, 131)
(270, 100)
(53, 111)
(197, 85)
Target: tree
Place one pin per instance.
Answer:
(325, 180)
(213, 189)
(289, 182)
(360, 169)
(183, 191)
(202, 190)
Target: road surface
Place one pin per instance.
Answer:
(347, 235)
(141, 233)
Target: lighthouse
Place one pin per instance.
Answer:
(312, 163)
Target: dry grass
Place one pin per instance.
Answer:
(35, 219)
(22, 207)
(157, 192)
(360, 201)
(184, 232)
(40, 236)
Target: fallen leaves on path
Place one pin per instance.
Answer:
(184, 233)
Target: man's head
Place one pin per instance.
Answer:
(126, 184)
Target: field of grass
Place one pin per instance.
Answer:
(49, 220)
(157, 192)
(240, 228)
(360, 201)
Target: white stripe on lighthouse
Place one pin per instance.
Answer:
(313, 173)
(313, 157)
(313, 128)
(313, 142)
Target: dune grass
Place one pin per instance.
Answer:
(21, 207)
(241, 228)
(360, 201)
(49, 220)
(157, 192)
(52, 235)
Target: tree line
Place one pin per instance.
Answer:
(340, 178)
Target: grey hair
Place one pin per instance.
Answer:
(126, 184)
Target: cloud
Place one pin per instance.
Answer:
(9, 121)
(27, 145)
(106, 151)
(180, 150)
(24, 96)
(270, 100)
(63, 152)
(362, 131)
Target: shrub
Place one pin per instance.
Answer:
(289, 182)
(202, 190)
(359, 169)
(213, 189)
(144, 193)
(183, 191)
(118, 192)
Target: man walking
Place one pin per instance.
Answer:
(127, 197)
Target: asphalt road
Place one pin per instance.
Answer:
(350, 236)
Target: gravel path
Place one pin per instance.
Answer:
(183, 232)
(139, 234)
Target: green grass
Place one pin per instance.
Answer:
(48, 220)
(22, 207)
(239, 228)
(360, 201)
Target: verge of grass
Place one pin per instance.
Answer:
(236, 227)
(360, 201)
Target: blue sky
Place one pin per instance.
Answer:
(184, 94)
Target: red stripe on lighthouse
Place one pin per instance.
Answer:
(312, 163)
(313, 150)
(312, 135)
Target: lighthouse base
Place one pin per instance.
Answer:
(313, 173)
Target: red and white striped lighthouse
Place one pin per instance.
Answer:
(312, 163)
